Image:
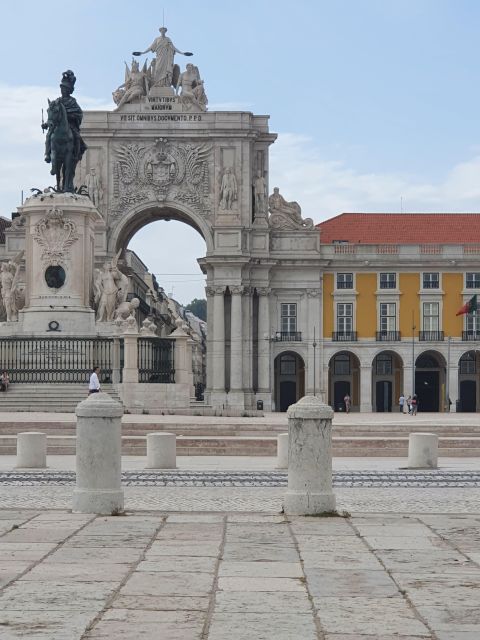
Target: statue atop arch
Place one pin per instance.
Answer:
(161, 85)
(163, 71)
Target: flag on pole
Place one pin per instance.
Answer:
(469, 307)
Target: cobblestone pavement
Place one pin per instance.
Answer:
(183, 478)
(263, 499)
(241, 576)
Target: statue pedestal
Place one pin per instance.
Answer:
(59, 254)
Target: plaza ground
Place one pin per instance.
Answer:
(216, 562)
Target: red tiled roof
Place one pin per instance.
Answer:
(402, 228)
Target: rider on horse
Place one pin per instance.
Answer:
(74, 116)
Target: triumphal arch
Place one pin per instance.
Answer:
(162, 154)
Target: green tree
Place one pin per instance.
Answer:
(198, 306)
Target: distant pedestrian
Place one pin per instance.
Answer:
(4, 381)
(401, 402)
(94, 383)
(347, 401)
(409, 404)
(414, 405)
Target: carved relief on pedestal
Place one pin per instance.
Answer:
(164, 170)
(55, 234)
(13, 297)
(286, 216)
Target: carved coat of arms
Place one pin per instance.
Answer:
(55, 234)
(162, 171)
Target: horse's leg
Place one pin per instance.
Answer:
(69, 170)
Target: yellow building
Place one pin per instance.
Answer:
(392, 286)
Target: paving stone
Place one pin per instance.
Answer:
(331, 543)
(409, 530)
(21, 515)
(356, 636)
(99, 555)
(371, 584)
(195, 517)
(77, 596)
(338, 560)
(441, 589)
(67, 624)
(261, 569)
(173, 584)
(142, 631)
(258, 552)
(260, 584)
(165, 603)
(129, 540)
(262, 626)
(255, 517)
(76, 572)
(380, 616)
(322, 527)
(24, 551)
(182, 548)
(178, 564)
(408, 543)
(45, 535)
(417, 561)
(260, 602)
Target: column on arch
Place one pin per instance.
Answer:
(263, 339)
(365, 388)
(210, 293)
(236, 339)
(218, 339)
(453, 387)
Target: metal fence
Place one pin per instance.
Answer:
(50, 360)
(156, 360)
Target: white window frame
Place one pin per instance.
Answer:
(431, 279)
(428, 317)
(288, 317)
(343, 316)
(390, 316)
(474, 279)
(338, 279)
(389, 280)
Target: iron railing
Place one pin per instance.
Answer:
(156, 360)
(470, 336)
(288, 336)
(344, 336)
(55, 360)
(388, 336)
(430, 336)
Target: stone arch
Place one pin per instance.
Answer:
(469, 381)
(387, 380)
(344, 377)
(289, 378)
(127, 226)
(430, 379)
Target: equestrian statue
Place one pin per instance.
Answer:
(64, 146)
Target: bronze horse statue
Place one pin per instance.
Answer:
(61, 143)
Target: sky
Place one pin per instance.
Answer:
(375, 102)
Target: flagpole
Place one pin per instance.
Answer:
(413, 353)
(447, 382)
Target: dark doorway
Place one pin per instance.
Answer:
(340, 389)
(288, 394)
(468, 396)
(384, 396)
(427, 388)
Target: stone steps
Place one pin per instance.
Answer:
(261, 446)
(47, 398)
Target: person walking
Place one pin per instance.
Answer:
(414, 405)
(347, 401)
(401, 402)
(94, 382)
(409, 404)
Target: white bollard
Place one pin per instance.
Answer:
(309, 458)
(161, 451)
(422, 451)
(31, 450)
(282, 451)
(98, 459)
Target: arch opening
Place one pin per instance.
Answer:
(387, 381)
(344, 380)
(430, 379)
(289, 377)
(469, 382)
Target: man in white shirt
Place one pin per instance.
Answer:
(94, 384)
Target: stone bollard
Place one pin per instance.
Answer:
(282, 451)
(161, 451)
(422, 451)
(31, 450)
(98, 459)
(309, 458)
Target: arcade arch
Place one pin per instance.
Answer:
(430, 378)
(469, 382)
(343, 379)
(387, 380)
(289, 377)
